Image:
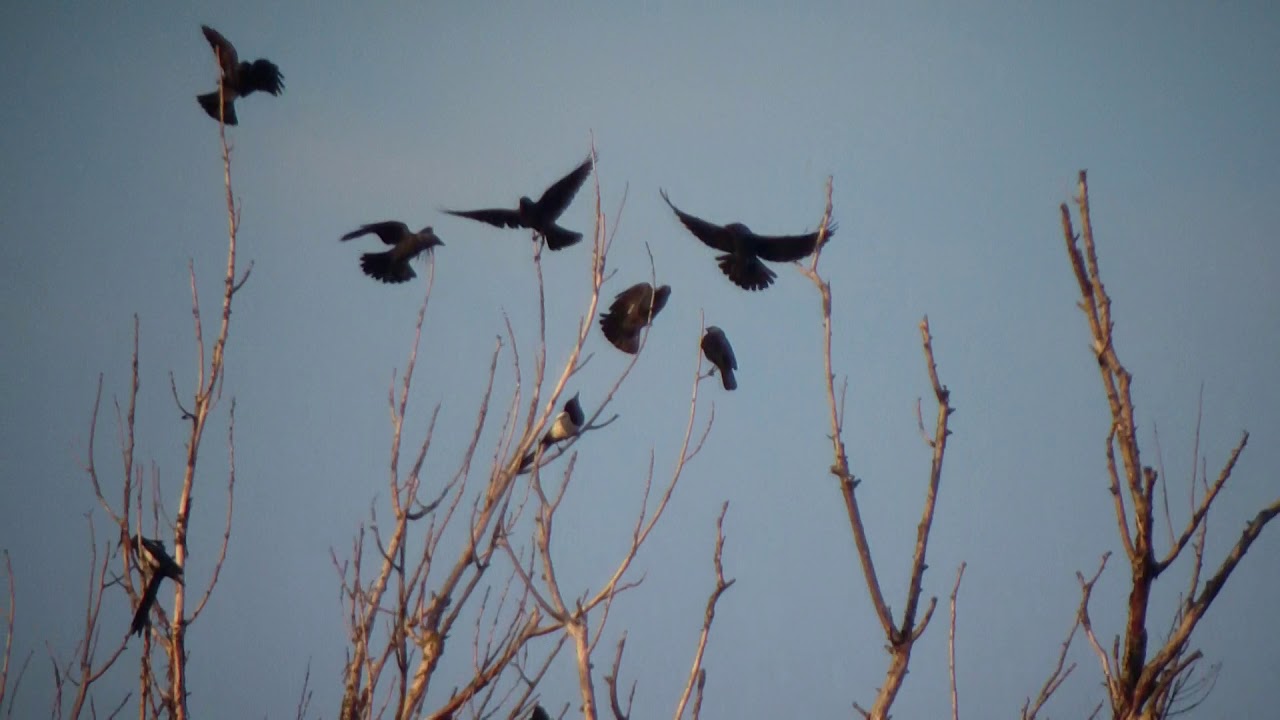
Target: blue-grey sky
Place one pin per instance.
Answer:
(952, 133)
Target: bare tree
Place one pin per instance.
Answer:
(81, 670)
(1144, 681)
(900, 635)
(404, 614)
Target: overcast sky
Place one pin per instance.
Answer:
(952, 133)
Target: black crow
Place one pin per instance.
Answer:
(539, 216)
(156, 565)
(743, 250)
(392, 266)
(718, 350)
(238, 78)
(631, 310)
(539, 714)
(567, 424)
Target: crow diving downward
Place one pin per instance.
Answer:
(567, 424)
(744, 250)
(631, 310)
(238, 78)
(539, 216)
(718, 350)
(156, 565)
(392, 266)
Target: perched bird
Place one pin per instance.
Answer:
(392, 266)
(156, 565)
(567, 424)
(539, 714)
(539, 216)
(631, 310)
(718, 350)
(744, 250)
(238, 78)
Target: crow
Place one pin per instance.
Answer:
(392, 266)
(632, 309)
(718, 350)
(539, 714)
(238, 78)
(539, 216)
(566, 425)
(744, 250)
(156, 565)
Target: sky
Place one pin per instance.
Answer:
(952, 134)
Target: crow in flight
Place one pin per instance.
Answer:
(718, 350)
(238, 78)
(744, 250)
(567, 424)
(631, 310)
(539, 216)
(392, 266)
(156, 565)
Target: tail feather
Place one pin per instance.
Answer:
(558, 238)
(730, 382)
(381, 266)
(142, 617)
(209, 101)
(746, 271)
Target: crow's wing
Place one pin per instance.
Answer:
(716, 345)
(574, 408)
(226, 52)
(709, 233)
(389, 232)
(262, 75)
(557, 197)
(495, 217)
(787, 248)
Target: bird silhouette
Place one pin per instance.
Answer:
(392, 266)
(744, 250)
(566, 425)
(631, 311)
(238, 78)
(718, 350)
(156, 565)
(539, 714)
(539, 216)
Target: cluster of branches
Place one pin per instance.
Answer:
(407, 598)
(1142, 680)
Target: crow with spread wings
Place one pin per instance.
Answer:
(392, 266)
(238, 78)
(539, 216)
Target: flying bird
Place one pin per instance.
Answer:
(631, 311)
(392, 266)
(238, 78)
(156, 565)
(744, 250)
(566, 425)
(718, 350)
(539, 216)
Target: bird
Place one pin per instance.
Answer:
(632, 309)
(539, 216)
(156, 565)
(238, 78)
(392, 266)
(744, 250)
(718, 350)
(566, 425)
(539, 713)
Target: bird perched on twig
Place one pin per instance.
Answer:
(539, 216)
(238, 78)
(392, 266)
(631, 311)
(718, 350)
(744, 250)
(156, 565)
(566, 425)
